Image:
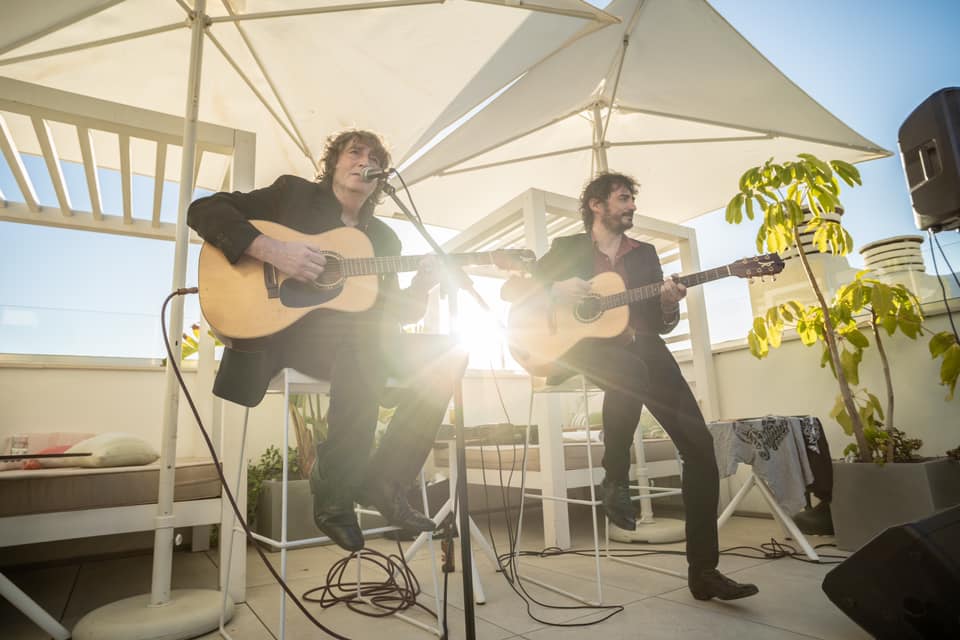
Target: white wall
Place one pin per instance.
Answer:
(111, 398)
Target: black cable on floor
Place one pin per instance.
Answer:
(397, 592)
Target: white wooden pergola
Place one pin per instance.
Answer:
(29, 114)
(531, 220)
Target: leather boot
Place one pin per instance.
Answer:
(713, 584)
(333, 512)
(617, 504)
(391, 501)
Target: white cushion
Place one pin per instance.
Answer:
(111, 450)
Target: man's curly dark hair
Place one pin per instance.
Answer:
(600, 189)
(336, 144)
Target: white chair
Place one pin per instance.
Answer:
(290, 381)
(555, 479)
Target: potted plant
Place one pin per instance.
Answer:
(784, 193)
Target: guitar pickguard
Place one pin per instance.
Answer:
(295, 294)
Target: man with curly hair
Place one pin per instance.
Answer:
(355, 352)
(636, 369)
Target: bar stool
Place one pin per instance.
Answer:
(290, 381)
(550, 456)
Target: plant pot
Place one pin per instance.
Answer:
(300, 523)
(869, 498)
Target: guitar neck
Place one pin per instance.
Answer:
(396, 264)
(653, 290)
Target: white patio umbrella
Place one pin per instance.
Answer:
(292, 71)
(672, 95)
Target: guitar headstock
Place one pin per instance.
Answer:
(768, 264)
(513, 259)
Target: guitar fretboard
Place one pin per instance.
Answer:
(397, 264)
(652, 290)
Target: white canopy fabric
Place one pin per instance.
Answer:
(387, 66)
(694, 105)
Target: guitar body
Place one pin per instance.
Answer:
(540, 331)
(240, 300)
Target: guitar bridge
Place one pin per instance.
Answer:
(270, 281)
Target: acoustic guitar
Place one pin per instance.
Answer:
(540, 331)
(252, 299)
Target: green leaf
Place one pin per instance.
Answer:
(839, 413)
(775, 336)
(909, 327)
(940, 342)
(760, 328)
(758, 348)
(875, 403)
(950, 369)
(850, 364)
(857, 339)
(847, 169)
(733, 213)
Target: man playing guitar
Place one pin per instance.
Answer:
(636, 369)
(355, 352)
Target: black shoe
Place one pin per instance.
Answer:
(391, 502)
(617, 504)
(713, 584)
(340, 525)
(333, 513)
(816, 521)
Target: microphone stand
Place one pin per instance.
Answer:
(460, 279)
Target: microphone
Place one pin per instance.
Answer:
(369, 174)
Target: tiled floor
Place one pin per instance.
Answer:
(790, 604)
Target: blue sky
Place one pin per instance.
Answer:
(868, 62)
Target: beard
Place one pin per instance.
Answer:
(615, 223)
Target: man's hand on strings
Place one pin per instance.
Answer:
(570, 291)
(428, 274)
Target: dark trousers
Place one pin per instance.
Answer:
(428, 367)
(644, 372)
(357, 361)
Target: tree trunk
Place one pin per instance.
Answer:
(886, 377)
(831, 340)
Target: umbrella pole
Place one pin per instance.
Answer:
(186, 613)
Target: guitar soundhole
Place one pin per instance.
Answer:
(588, 310)
(332, 276)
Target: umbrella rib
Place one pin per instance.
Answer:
(654, 143)
(616, 85)
(536, 156)
(765, 132)
(301, 141)
(93, 43)
(256, 92)
(291, 13)
(599, 15)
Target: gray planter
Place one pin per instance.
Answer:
(299, 512)
(870, 498)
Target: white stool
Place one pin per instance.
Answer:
(555, 478)
(288, 382)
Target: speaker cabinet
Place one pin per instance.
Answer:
(905, 583)
(929, 142)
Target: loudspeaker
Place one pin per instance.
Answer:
(905, 583)
(929, 142)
